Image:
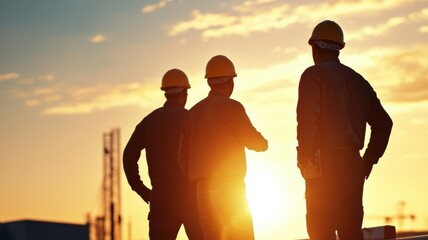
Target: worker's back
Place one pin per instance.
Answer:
(345, 101)
(161, 135)
(215, 149)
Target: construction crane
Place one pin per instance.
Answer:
(400, 216)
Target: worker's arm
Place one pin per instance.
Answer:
(245, 130)
(381, 126)
(308, 111)
(131, 155)
(183, 149)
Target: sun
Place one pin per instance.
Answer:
(267, 198)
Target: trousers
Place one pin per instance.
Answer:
(173, 205)
(223, 210)
(334, 200)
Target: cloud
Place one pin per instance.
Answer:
(47, 77)
(264, 16)
(88, 100)
(42, 91)
(37, 96)
(391, 23)
(154, 7)
(397, 74)
(415, 91)
(8, 76)
(99, 38)
(420, 15)
(377, 29)
(32, 102)
(202, 21)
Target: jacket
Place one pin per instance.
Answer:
(334, 105)
(213, 139)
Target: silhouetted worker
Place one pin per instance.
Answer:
(173, 197)
(212, 152)
(334, 105)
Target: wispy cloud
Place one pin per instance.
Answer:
(202, 22)
(407, 83)
(377, 29)
(391, 23)
(155, 6)
(32, 102)
(398, 74)
(8, 76)
(42, 91)
(98, 38)
(88, 100)
(47, 77)
(263, 16)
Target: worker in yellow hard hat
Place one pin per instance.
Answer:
(335, 103)
(214, 135)
(172, 197)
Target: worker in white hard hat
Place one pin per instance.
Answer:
(214, 136)
(172, 197)
(335, 103)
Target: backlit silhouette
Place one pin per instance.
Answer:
(334, 105)
(215, 133)
(172, 199)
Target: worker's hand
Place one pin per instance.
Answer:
(311, 172)
(309, 163)
(145, 194)
(367, 168)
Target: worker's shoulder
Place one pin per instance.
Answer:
(325, 65)
(330, 66)
(233, 106)
(165, 111)
(235, 102)
(216, 102)
(226, 101)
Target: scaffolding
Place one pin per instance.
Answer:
(108, 225)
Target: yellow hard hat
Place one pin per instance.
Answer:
(174, 78)
(219, 66)
(328, 31)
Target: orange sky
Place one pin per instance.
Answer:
(70, 71)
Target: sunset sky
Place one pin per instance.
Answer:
(71, 70)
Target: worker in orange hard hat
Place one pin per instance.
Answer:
(172, 197)
(335, 104)
(214, 135)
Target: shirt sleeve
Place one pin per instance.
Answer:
(246, 132)
(308, 111)
(131, 155)
(381, 126)
(183, 149)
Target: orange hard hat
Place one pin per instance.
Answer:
(220, 66)
(328, 31)
(174, 78)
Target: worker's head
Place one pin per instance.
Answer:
(327, 35)
(175, 84)
(219, 73)
(326, 39)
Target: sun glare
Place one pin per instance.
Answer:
(267, 199)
